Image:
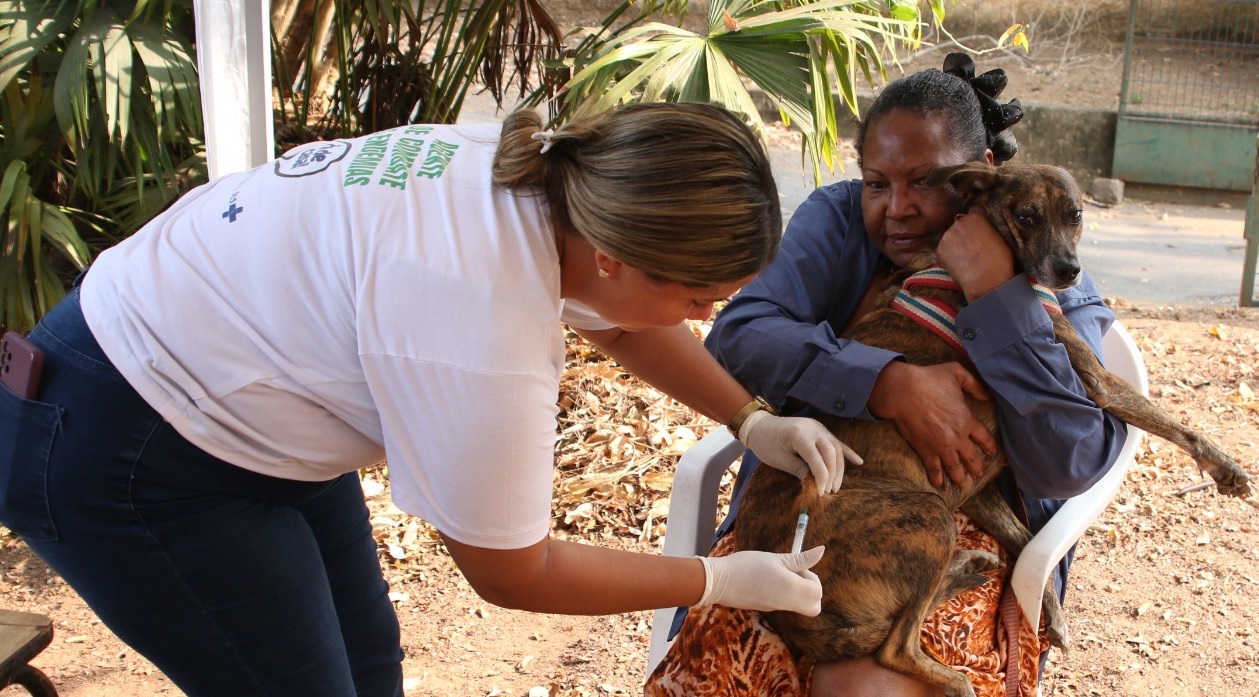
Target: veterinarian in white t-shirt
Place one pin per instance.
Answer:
(216, 380)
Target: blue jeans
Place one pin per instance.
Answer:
(230, 582)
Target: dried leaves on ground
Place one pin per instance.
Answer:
(1163, 599)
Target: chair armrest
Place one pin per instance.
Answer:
(692, 516)
(1050, 545)
(693, 498)
(1068, 525)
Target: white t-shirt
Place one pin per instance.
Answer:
(353, 301)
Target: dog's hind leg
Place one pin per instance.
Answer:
(971, 562)
(989, 510)
(902, 652)
(1120, 398)
(937, 577)
(965, 572)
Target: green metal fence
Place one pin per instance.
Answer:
(1189, 106)
(1251, 233)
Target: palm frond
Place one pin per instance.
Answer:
(788, 50)
(93, 97)
(171, 72)
(30, 280)
(28, 27)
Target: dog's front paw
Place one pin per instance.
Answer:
(1238, 485)
(1230, 478)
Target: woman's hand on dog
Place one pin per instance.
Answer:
(975, 255)
(799, 446)
(928, 405)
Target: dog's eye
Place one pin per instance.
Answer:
(1025, 219)
(1076, 217)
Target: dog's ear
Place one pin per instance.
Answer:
(969, 180)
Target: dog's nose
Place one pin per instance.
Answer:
(1067, 271)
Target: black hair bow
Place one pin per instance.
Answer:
(997, 116)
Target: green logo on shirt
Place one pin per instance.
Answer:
(398, 151)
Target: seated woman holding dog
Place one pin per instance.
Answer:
(780, 337)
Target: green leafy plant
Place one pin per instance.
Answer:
(102, 124)
(346, 68)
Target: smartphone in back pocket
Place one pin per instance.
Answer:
(20, 365)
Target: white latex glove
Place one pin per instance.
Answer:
(764, 581)
(798, 445)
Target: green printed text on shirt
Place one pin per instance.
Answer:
(397, 151)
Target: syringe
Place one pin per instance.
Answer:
(802, 524)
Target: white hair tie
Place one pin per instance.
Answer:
(547, 138)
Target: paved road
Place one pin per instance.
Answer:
(1162, 254)
(1147, 252)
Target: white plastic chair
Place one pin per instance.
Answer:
(693, 502)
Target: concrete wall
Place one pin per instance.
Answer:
(1080, 140)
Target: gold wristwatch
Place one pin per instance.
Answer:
(758, 404)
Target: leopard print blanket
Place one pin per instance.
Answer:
(724, 651)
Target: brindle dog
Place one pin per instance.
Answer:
(889, 534)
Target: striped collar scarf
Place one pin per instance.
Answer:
(940, 317)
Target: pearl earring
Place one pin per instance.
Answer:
(603, 273)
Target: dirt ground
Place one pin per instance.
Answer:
(1163, 600)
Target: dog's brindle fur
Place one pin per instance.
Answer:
(889, 534)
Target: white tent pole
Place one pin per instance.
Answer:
(234, 62)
